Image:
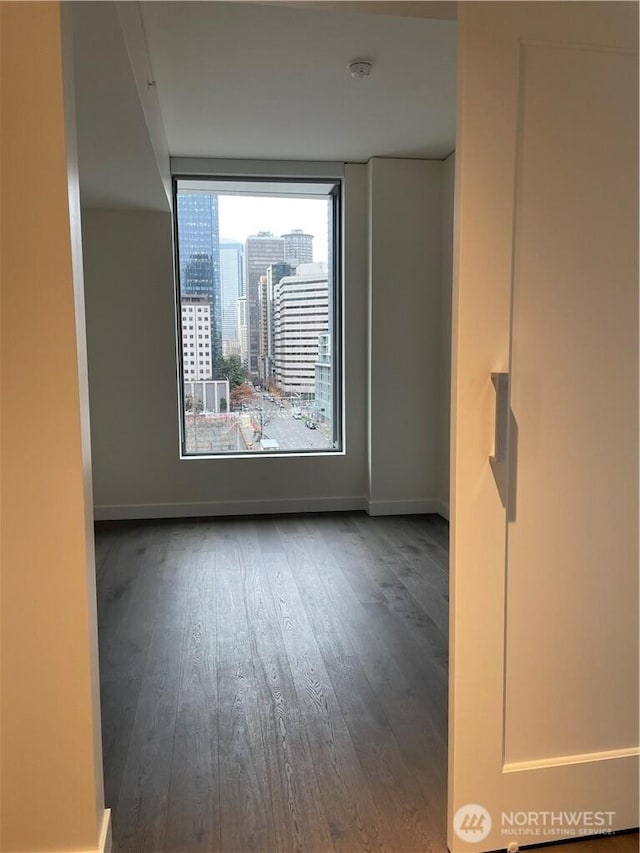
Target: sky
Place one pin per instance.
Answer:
(241, 215)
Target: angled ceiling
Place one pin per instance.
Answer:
(245, 80)
(117, 165)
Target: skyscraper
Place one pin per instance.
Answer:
(324, 383)
(242, 330)
(300, 317)
(261, 250)
(231, 286)
(266, 291)
(298, 247)
(198, 247)
(264, 309)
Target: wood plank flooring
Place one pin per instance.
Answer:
(277, 684)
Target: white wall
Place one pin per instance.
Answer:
(137, 470)
(405, 340)
(51, 760)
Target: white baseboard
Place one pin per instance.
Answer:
(269, 507)
(104, 839)
(224, 508)
(444, 510)
(104, 842)
(405, 507)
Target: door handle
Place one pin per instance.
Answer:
(501, 429)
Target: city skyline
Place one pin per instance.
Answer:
(242, 216)
(265, 301)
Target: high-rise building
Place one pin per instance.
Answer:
(300, 316)
(242, 330)
(275, 272)
(231, 286)
(324, 381)
(199, 251)
(230, 348)
(264, 313)
(298, 247)
(261, 250)
(196, 338)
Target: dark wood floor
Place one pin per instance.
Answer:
(277, 684)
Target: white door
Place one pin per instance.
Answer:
(544, 605)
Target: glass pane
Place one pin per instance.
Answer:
(256, 305)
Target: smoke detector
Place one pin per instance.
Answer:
(360, 68)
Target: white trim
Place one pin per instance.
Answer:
(104, 839)
(269, 506)
(318, 188)
(563, 760)
(263, 454)
(417, 506)
(225, 508)
(104, 842)
(195, 166)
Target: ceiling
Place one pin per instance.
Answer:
(262, 81)
(255, 80)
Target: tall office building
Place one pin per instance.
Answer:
(196, 338)
(300, 316)
(198, 247)
(264, 312)
(242, 330)
(324, 382)
(261, 250)
(298, 247)
(230, 348)
(232, 288)
(266, 288)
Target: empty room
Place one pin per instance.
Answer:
(319, 427)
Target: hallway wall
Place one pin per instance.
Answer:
(51, 757)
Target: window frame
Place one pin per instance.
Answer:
(309, 173)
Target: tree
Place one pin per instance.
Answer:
(223, 404)
(231, 369)
(241, 394)
(193, 404)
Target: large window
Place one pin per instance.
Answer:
(259, 319)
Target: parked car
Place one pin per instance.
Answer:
(310, 424)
